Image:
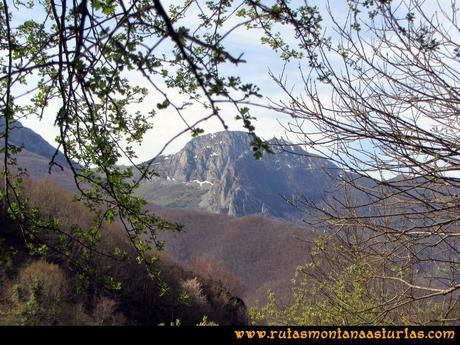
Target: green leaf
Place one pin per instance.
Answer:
(164, 104)
(196, 132)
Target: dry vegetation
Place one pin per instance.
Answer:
(45, 290)
(258, 252)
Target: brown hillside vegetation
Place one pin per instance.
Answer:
(46, 290)
(261, 253)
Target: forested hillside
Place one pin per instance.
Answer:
(55, 286)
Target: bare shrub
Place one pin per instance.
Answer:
(52, 280)
(194, 290)
(105, 313)
(37, 295)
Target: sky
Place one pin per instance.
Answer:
(260, 60)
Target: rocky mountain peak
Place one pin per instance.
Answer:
(217, 172)
(204, 158)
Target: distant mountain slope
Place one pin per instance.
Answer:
(25, 137)
(258, 251)
(38, 167)
(263, 253)
(36, 154)
(215, 172)
(218, 173)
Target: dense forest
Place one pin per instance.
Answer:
(45, 289)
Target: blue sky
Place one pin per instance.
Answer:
(260, 59)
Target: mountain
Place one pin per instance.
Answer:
(38, 167)
(32, 142)
(36, 154)
(215, 173)
(218, 173)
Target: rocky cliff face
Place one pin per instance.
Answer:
(215, 172)
(205, 158)
(226, 178)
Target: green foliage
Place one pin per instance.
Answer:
(164, 104)
(338, 287)
(6, 254)
(342, 299)
(197, 131)
(41, 294)
(259, 146)
(37, 295)
(206, 322)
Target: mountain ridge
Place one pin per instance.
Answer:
(218, 173)
(260, 252)
(26, 138)
(215, 172)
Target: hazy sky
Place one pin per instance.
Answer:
(260, 59)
